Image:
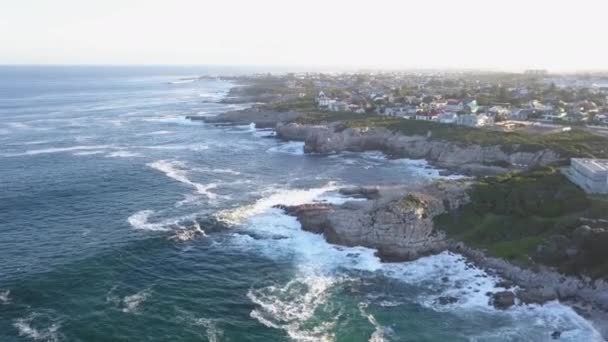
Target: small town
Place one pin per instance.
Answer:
(493, 100)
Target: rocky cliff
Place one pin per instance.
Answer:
(398, 225)
(470, 159)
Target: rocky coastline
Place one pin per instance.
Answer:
(464, 159)
(398, 222)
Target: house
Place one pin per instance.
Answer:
(431, 115)
(355, 108)
(474, 120)
(498, 110)
(519, 114)
(337, 106)
(576, 116)
(323, 100)
(601, 118)
(453, 105)
(589, 174)
(553, 115)
(470, 105)
(448, 117)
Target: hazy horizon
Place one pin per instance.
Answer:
(556, 35)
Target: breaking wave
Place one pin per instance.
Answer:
(39, 326)
(323, 269)
(177, 171)
(58, 150)
(290, 147)
(5, 296)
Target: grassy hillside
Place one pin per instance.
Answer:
(510, 216)
(569, 144)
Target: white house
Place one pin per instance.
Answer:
(551, 116)
(453, 105)
(337, 106)
(323, 100)
(473, 120)
(448, 117)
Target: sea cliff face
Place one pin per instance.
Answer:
(469, 159)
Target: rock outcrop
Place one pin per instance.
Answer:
(469, 159)
(399, 226)
(262, 118)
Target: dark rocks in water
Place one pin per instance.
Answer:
(507, 284)
(502, 300)
(556, 335)
(446, 300)
(445, 279)
(311, 216)
(361, 192)
(537, 296)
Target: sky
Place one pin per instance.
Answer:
(560, 35)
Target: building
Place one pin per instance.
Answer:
(323, 100)
(448, 117)
(589, 174)
(474, 120)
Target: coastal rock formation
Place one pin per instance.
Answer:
(470, 159)
(262, 118)
(399, 227)
(503, 299)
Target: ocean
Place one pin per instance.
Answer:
(120, 220)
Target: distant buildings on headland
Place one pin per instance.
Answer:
(466, 99)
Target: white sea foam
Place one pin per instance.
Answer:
(88, 153)
(184, 81)
(35, 142)
(380, 334)
(162, 132)
(123, 154)
(180, 120)
(289, 307)
(262, 133)
(5, 296)
(58, 150)
(29, 327)
(177, 170)
(216, 170)
(272, 198)
(18, 125)
(214, 334)
(140, 220)
(132, 303)
(176, 147)
(189, 233)
(321, 266)
(290, 147)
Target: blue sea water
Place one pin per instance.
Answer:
(120, 220)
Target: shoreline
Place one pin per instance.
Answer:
(566, 289)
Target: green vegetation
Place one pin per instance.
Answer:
(302, 104)
(576, 142)
(509, 216)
